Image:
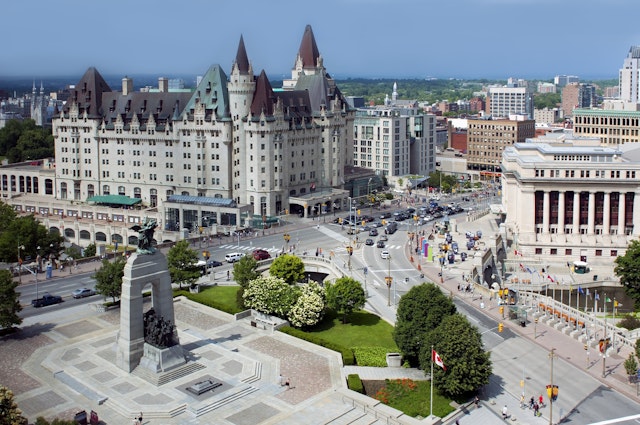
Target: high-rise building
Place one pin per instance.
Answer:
(629, 78)
(563, 80)
(505, 101)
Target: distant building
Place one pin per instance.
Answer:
(546, 87)
(629, 76)
(612, 127)
(487, 139)
(563, 80)
(505, 101)
(578, 95)
(547, 115)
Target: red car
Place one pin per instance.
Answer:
(261, 254)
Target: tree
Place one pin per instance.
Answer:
(90, 250)
(628, 270)
(420, 311)
(109, 278)
(182, 262)
(289, 267)
(271, 295)
(309, 307)
(459, 345)
(244, 270)
(344, 296)
(9, 301)
(631, 365)
(9, 412)
(27, 233)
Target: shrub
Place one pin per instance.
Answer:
(370, 356)
(347, 354)
(629, 322)
(355, 383)
(631, 365)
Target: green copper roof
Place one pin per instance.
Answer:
(606, 112)
(114, 200)
(212, 92)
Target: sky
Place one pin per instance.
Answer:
(495, 39)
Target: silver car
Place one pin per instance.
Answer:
(83, 292)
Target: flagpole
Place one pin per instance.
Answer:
(431, 402)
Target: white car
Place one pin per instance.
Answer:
(385, 255)
(233, 257)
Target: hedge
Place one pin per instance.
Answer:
(354, 383)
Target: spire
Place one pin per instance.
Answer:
(242, 61)
(263, 98)
(308, 49)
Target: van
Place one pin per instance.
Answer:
(233, 257)
(391, 228)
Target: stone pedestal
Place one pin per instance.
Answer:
(140, 270)
(162, 359)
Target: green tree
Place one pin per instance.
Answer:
(309, 307)
(109, 278)
(289, 267)
(459, 345)
(90, 250)
(628, 270)
(28, 234)
(182, 262)
(24, 140)
(9, 412)
(547, 100)
(344, 296)
(420, 311)
(271, 295)
(244, 271)
(9, 301)
(631, 364)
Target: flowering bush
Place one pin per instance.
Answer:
(270, 295)
(309, 307)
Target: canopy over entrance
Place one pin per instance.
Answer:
(114, 200)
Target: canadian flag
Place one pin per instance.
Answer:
(437, 360)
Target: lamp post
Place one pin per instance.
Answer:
(389, 281)
(551, 389)
(369, 195)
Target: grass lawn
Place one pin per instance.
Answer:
(362, 329)
(413, 398)
(220, 297)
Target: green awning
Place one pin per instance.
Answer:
(114, 200)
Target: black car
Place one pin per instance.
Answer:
(380, 244)
(213, 263)
(373, 232)
(368, 242)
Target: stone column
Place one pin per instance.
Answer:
(561, 196)
(545, 212)
(592, 214)
(576, 212)
(621, 213)
(606, 216)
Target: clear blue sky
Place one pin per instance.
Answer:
(357, 38)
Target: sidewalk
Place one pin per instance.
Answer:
(566, 347)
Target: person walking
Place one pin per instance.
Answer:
(536, 407)
(140, 419)
(505, 412)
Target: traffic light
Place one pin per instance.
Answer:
(502, 310)
(500, 327)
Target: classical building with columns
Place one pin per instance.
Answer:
(571, 200)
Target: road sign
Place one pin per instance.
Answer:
(366, 270)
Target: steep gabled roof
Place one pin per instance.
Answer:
(308, 51)
(242, 60)
(263, 98)
(212, 92)
(87, 94)
(163, 106)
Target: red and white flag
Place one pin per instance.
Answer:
(437, 360)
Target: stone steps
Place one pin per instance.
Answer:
(162, 378)
(255, 376)
(206, 407)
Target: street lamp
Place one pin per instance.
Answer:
(389, 280)
(369, 194)
(20, 247)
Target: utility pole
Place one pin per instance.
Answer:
(551, 388)
(389, 280)
(604, 337)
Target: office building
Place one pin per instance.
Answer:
(571, 200)
(505, 101)
(488, 138)
(629, 78)
(578, 95)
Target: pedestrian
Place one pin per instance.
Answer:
(531, 403)
(505, 412)
(536, 407)
(541, 400)
(476, 401)
(140, 418)
(228, 275)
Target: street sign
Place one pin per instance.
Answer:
(366, 270)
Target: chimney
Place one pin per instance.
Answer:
(127, 86)
(163, 84)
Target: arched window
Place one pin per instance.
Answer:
(106, 190)
(90, 191)
(137, 193)
(84, 234)
(63, 190)
(101, 237)
(121, 190)
(69, 233)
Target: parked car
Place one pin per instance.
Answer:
(83, 292)
(46, 299)
(261, 254)
(385, 255)
(380, 244)
(368, 242)
(233, 257)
